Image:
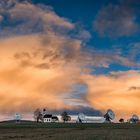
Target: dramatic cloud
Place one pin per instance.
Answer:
(42, 64)
(113, 91)
(25, 81)
(26, 18)
(103, 58)
(116, 21)
(78, 109)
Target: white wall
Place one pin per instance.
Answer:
(47, 120)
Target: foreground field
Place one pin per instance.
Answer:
(33, 131)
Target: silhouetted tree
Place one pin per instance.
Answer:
(107, 118)
(65, 117)
(38, 115)
(121, 120)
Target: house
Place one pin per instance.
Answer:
(48, 118)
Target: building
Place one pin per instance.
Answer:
(55, 119)
(48, 118)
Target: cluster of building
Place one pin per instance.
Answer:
(109, 116)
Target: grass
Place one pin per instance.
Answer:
(68, 131)
(30, 124)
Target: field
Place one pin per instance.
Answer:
(56, 131)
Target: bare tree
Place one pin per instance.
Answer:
(65, 117)
(38, 115)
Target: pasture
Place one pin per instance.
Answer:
(27, 130)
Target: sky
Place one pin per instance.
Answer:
(75, 55)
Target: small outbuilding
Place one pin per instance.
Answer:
(55, 119)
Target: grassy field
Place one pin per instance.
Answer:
(67, 131)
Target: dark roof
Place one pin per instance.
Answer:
(47, 116)
(55, 117)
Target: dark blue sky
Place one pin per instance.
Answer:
(111, 28)
(86, 12)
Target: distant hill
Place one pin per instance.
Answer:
(13, 121)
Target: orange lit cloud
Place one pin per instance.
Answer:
(118, 90)
(33, 74)
(37, 71)
(40, 62)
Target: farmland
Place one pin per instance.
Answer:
(68, 131)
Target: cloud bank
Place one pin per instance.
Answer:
(41, 62)
(34, 74)
(116, 21)
(113, 91)
(17, 18)
(38, 62)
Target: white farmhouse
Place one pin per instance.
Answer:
(48, 118)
